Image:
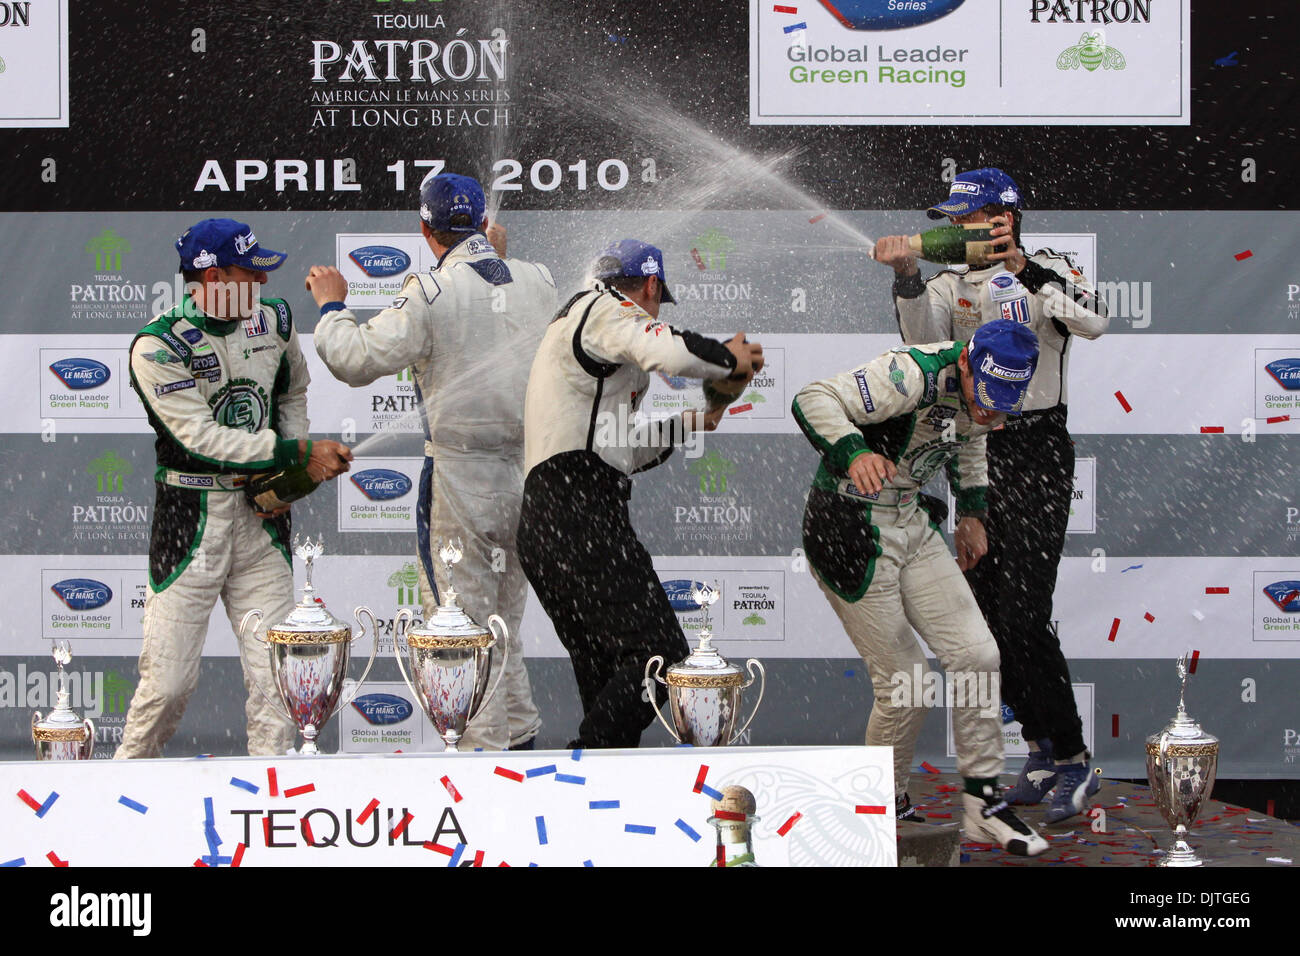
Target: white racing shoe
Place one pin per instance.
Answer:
(991, 818)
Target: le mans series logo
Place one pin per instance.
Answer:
(888, 14)
(1277, 385)
(84, 385)
(380, 262)
(1277, 606)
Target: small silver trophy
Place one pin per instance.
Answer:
(451, 659)
(309, 653)
(1181, 762)
(63, 735)
(704, 691)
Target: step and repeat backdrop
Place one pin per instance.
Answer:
(762, 146)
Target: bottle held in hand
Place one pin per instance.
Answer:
(968, 242)
(278, 489)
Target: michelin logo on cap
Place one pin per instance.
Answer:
(994, 370)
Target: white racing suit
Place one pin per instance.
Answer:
(468, 329)
(881, 561)
(1031, 476)
(226, 399)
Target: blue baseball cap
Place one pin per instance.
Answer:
(634, 258)
(224, 242)
(449, 195)
(976, 189)
(1003, 357)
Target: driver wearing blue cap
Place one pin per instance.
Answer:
(883, 430)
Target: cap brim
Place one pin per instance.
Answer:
(664, 294)
(951, 208)
(998, 396)
(261, 260)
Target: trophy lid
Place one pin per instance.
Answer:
(449, 625)
(1182, 730)
(310, 619)
(704, 660)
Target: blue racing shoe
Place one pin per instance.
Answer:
(1074, 785)
(1037, 777)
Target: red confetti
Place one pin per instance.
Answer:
(271, 782)
(239, 855)
(1278, 418)
(1216, 590)
(695, 254)
(28, 799)
(199, 863)
(931, 813)
(817, 218)
(1243, 255)
(1211, 429)
(299, 791)
(737, 409)
(1114, 629)
(785, 827)
(1123, 402)
(503, 863)
(1268, 808)
(54, 858)
(439, 848)
(730, 815)
(1149, 618)
(266, 829)
(306, 832)
(401, 826)
(451, 789)
(868, 809)
(927, 768)
(478, 858)
(699, 777)
(722, 856)
(780, 9)
(1191, 665)
(364, 815)
(1114, 725)
(509, 774)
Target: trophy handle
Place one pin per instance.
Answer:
(751, 665)
(276, 705)
(656, 664)
(374, 646)
(404, 616)
(89, 746)
(504, 641)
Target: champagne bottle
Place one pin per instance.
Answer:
(967, 242)
(276, 489)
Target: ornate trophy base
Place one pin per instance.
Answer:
(1182, 855)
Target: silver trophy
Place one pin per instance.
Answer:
(704, 691)
(63, 735)
(1181, 762)
(451, 659)
(309, 653)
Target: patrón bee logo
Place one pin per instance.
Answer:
(1091, 52)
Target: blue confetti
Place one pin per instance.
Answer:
(243, 785)
(49, 802)
(705, 788)
(636, 828)
(587, 863)
(570, 778)
(686, 828)
(795, 26)
(965, 858)
(460, 850)
(207, 811)
(1131, 567)
(21, 861)
(1229, 60)
(539, 771)
(603, 805)
(848, 673)
(577, 753)
(128, 802)
(541, 830)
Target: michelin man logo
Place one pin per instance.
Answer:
(1009, 196)
(649, 267)
(205, 260)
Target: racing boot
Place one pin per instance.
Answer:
(990, 819)
(904, 811)
(1037, 777)
(1075, 783)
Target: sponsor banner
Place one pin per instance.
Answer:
(376, 263)
(383, 718)
(766, 398)
(1013, 741)
(1083, 500)
(1079, 247)
(608, 808)
(34, 64)
(379, 494)
(1277, 383)
(751, 606)
(80, 383)
(1276, 597)
(971, 62)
